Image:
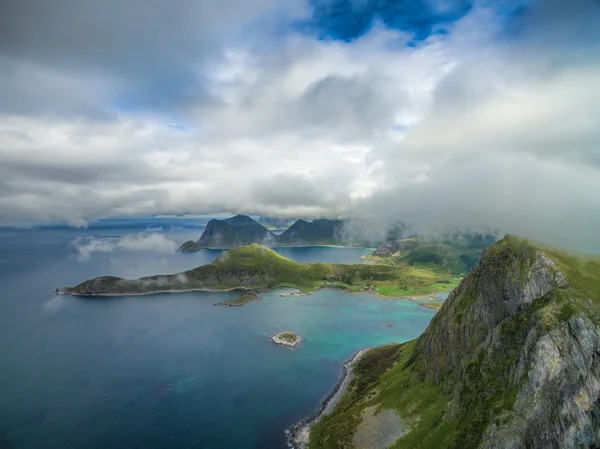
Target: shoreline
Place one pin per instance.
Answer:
(280, 246)
(153, 292)
(299, 292)
(298, 434)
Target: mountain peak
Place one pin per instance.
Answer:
(511, 360)
(240, 220)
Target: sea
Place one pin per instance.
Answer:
(167, 370)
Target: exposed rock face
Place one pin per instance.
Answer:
(556, 368)
(557, 406)
(499, 288)
(513, 355)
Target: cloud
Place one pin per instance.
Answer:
(85, 247)
(478, 114)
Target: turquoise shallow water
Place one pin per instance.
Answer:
(169, 370)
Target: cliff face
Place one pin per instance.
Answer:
(512, 360)
(234, 232)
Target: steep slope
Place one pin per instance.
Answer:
(317, 232)
(512, 360)
(233, 232)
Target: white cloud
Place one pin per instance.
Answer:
(493, 125)
(143, 242)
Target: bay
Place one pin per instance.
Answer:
(168, 370)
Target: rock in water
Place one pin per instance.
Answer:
(287, 339)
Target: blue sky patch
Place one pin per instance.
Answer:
(348, 20)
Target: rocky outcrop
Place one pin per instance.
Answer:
(512, 358)
(557, 405)
(287, 339)
(504, 283)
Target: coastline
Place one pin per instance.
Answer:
(299, 292)
(298, 435)
(282, 246)
(153, 292)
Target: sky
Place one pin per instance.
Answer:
(440, 113)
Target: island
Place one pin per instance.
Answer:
(189, 247)
(257, 267)
(287, 339)
(239, 300)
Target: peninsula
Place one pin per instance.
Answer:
(257, 267)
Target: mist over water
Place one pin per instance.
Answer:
(168, 370)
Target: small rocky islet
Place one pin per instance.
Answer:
(287, 338)
(239, 300)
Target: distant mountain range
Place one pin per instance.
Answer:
(242, 230)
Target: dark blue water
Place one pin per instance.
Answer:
(172, 370)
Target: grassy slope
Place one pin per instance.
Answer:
(398, 379)
(256, 266)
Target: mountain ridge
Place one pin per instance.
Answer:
(242, 230)
(510, 361)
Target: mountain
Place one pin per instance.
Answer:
(511, 361)
(242, 230)
(316, 232)
(457, 253)
(233, 232)
(276, 224)
(258, 267)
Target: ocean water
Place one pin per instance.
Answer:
(168, 370)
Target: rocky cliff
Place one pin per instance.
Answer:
(235, 231)
(512, 360)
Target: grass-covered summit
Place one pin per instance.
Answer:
(512, 360)
(257, 267)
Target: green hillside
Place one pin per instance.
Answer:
(510, 361)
